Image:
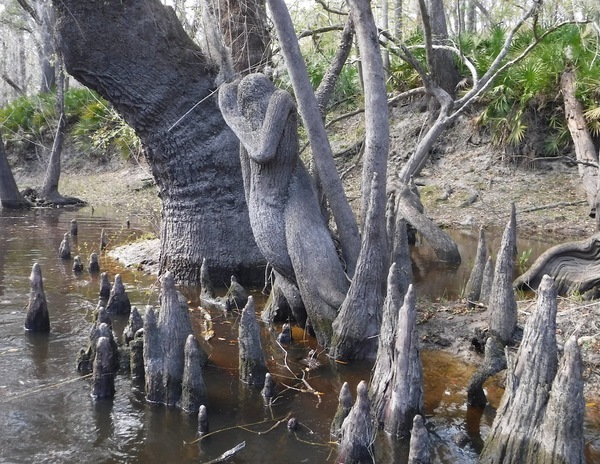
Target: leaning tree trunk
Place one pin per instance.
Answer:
(585, 152)
(10, 197)
(137, 55)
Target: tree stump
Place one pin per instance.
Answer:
(358, 322)
(473, 287)
(574, 266)
(77, 265)
(94, 266)
(193, 389)
(540, 417)
(87, 355)
(357, 433)
(343, 409)
(419, 443)
(103, 374)
(236, 296)
(105, 286)
(118, 301)
(64, 250)
(38, 318)
(251, 358)
(74, 227)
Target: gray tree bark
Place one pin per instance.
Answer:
(137, 56)
(10, 197)
(251, 358)
(38, 318)
(540, 417)
(473, 287)
(357, 435)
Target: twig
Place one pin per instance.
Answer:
(45, 387)
(553, 205)
(233, 427)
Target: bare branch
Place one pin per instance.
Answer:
(30, 10)
(13, 84)
(322, 30)
(331, 10)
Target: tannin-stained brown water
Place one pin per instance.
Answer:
(48, 415)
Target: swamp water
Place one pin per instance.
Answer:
(48, 415)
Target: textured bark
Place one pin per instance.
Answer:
(380, 388)
(244, 24)
(487, 281)
(118, 301)
(540, 418)
(193, 389)
(10, 197)
(377, 125)
(284, 209)
(311, 117)
(502, 305)
(473, 287)
(406, 399)
(206, 285)
(251, 358)
(574, 266)
(38, 318)
(401, 255)
(136, 358)
(136, 55)
(585, 151)
(134, 324)
(357, 433)
(103, 374)
(284, 303)
(419, 443)
(100, 328)
(358, 322)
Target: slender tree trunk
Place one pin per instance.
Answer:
(10, 197)
(585, 152)
(385, 25)
(136, 54)
(49, 190)
(47, 51)
(398, 20)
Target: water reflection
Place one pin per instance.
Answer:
(47, 414)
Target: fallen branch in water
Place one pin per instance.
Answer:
(227, 454)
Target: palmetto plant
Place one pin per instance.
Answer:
(532, 85)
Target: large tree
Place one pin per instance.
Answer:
(10, 197)
(136, 54)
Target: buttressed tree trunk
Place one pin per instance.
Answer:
(10, 197)
(136, 54)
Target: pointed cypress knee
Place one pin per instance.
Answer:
(285, 337)
(193, 389)
(202, 421)
(38, 318)
(343, 409)
(74, 228)
(517, 432)
(118, 301)
(357, 431)
(236, 296)
(77, 265)
(268, 391)
(380, 389)
(153, 360)
(502, 313)
(136, 357)
(407, 384)
(105, 286)
(94, 265)
(502, 305)
(358, 321)
(401, 255)
(419, 443)
(251, 358)
(103, 374)
(134, 324)
(64, 250)
(487, 281)
(103, 240)
(206, 286)
(473, 287)
(174, 326)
